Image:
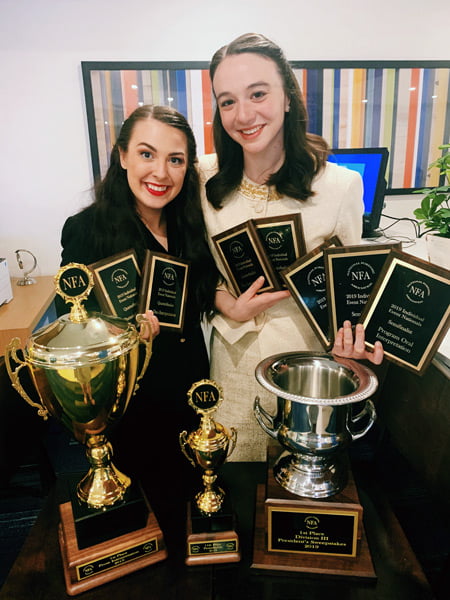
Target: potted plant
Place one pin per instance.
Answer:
(434, 212)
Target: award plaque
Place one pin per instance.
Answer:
(408, 310)
(244, 258)
(84, 370)
(282, 238)
(305, 279)
(210, 525)
(164, 289)
(117, 282)
(351, 273)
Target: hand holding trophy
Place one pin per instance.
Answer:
(211, 535)
(84, 368)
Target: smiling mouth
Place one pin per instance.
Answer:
(156, 190)
(251, 131)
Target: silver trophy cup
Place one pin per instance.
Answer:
(323, 405)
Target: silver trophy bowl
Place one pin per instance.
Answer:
(322, 406)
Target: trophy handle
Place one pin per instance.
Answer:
(184, 445)
(144, 329)
(232, 438)
(262, 416)
(11, 355)
(369, 409)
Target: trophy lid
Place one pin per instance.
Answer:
(79, 338)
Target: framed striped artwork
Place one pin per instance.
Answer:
(404, 106)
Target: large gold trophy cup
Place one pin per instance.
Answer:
(84, 370)
(211, 535)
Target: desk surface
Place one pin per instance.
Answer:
(38, 573)
(19, 317)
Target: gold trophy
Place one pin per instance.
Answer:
(84, 368)
(211, 535)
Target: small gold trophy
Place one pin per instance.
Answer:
(84, 370)
(211, 535)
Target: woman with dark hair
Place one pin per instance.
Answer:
(149, 199)
(267, 164)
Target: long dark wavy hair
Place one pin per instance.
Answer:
(116, 223)
(305, 153)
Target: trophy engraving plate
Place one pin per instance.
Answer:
(164, 289)
(111, 561)
(408, 310)
(305, 279)
(351, 273)
(117, 281)
(244, 258)
(283, 240)
(312, 530)
(214, 547)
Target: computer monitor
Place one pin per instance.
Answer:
(371, 164)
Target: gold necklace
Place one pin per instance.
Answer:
(258, 194)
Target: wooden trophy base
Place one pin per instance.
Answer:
(298, 534)
(211, 540)
(86, 568)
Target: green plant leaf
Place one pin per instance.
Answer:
(425, 205)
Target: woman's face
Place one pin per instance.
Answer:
(252, 102)
(156, 163)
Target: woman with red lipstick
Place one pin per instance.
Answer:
(149, 199)
(268, 165)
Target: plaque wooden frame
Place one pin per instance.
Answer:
(283, 240)
(126, 273)
(351, 274)
(91, 567)
(159, 295)
(422, 315)
(273, 497)
(243, 244)
(305, 279)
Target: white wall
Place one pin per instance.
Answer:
(45, 162)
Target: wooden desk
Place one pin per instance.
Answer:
(38, 573)
(20, 316)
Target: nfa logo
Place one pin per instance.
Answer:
(169, 276)
(237, 249)
(149, 547)
(417, 291)
(87, 570)
(119, 278)
(361, 275)
(274, 240)
(312, 522)
(316, 278)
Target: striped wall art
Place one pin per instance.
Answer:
(404, 106)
